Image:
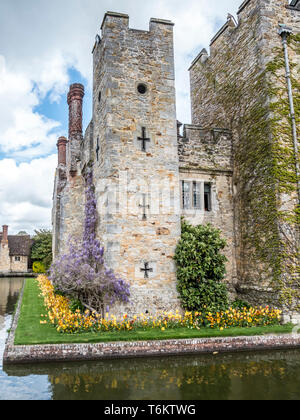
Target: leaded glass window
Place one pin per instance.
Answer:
(196, 195)
(186, 195)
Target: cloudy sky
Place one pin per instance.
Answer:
(46, 45)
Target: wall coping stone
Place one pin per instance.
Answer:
(163, 21)
(223, 29)
(114, 14)
(243, 5)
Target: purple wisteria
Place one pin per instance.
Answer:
(82, 273)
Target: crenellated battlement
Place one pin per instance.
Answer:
(205, 149)
(116, 25)
(232, 32)
(248, 44)
(110, 18)
(243, 5)
(113, 19)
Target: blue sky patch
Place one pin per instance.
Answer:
(59, 111)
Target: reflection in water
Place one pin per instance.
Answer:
(270, 375)
(11, 387)
(9, 291)
(274, 375)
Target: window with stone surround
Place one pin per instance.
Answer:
(17, 258)
(196, 195)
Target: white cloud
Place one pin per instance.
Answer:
(26, 193)
(48, 37)
(21, 127)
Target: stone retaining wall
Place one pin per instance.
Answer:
(100, 351)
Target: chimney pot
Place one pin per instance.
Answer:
(75, 98)
(62, 150)
(5, 233)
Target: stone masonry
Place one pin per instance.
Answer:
(15, 252)
(241, 85)
(147, 175)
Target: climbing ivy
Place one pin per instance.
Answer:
(286, 280)
(255, 105)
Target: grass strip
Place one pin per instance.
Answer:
(30, 332)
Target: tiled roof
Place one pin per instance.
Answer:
(19, 245)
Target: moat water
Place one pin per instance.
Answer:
(244, 376)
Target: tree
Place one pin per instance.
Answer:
(42, 247)
(201, 268)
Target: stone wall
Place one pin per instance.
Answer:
(205, 157)
(236, 86)
(4, 257)
(67, 213)
(17, 266)
(9, 264)
(202, 148)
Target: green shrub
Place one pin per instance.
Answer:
(42, 247)
(47, 261)
(201, 268)
(38, 267)
(75, 304)
(240, 304)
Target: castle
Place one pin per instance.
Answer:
(236, 166)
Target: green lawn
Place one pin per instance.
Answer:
(30, 331)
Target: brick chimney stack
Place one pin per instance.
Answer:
(62, 150)
(75, 98)
(5, 234)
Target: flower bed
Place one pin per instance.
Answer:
(66, 321)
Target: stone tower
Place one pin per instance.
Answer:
(131, 143)
(136, 162)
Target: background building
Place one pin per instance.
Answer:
(15, 252)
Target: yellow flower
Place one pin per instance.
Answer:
(163, 329)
